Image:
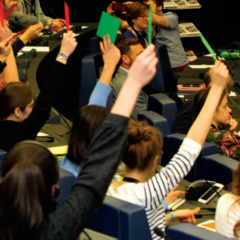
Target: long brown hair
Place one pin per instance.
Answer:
(14, 95)
(143, 145)
(28, 173)
(86, 122)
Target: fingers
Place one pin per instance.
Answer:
(175, 188)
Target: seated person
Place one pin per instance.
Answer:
(130, 49)
(19, 20)
(228, 210)
(184, 117)
(142, 154)
(137, 18)
(222, 130)
(166, 31)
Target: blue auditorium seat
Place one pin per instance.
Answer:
(163, 79)
(2, 155)
(163, 105)
(219, 168)
(67, 180)
(171, 145)
(93, 48)
(186, 231)
(121, 220)
(156, 120)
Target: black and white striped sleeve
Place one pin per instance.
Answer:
(157, 188)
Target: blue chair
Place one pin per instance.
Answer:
(93, 48)
(121, 220)
(186, 231)
(2, 155)
(163, 105)
(67, 180)
(156, 120)
(170, 148)
(219, 168)
(163, 80)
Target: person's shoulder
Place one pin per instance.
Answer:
(170, 14)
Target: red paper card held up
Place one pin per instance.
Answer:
(19, 33)
(1, 14)
(67, 16)
(9, 11)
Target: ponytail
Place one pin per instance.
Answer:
(22, 192)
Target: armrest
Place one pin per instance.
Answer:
(163, 105)
(157, 121)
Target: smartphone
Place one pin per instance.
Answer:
(119, 7)
(210, 194)
(176, 204)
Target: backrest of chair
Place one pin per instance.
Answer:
(219, 168)
(121, 220)
(164, 105)
(170, 147)
(163, 79)
(89, 75)
(2, 155)
(188, 231)
(66, 182)
(156, 120)
(93, 48)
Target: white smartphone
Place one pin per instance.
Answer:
(176, 204)
(210, 194)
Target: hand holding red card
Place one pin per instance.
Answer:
(67, 16)
(19, 33)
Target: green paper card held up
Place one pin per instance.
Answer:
(208, 46)
(108, 25)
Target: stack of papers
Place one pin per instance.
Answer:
(200, 66)
(181, 4)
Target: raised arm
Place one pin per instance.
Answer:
(103, 156)
(160, 21)
(111, 56)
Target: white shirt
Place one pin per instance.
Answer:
(227, 215)
(151, 194)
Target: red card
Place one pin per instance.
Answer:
(9, 11)
(67, 16)
(1, 14)
(19, 33)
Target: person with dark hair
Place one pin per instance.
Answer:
(19, 119)
(184, 117)
(228, 209)
(89, 118)
(130, 49)
(142, 154)
(137, 18)
(222, 131)
(27, 187)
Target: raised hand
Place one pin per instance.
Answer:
(69, 44)
(220, 75)
(32, 33)
(186, 215)
(110, 53)
(5, 49)
(109, 8)
(144, 67)
(172, 196)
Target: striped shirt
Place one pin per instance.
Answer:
(152, 193)
(227, 215)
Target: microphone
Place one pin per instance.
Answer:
(160, 233)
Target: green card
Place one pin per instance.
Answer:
(108, 25)
(150, 24)
(209, 48)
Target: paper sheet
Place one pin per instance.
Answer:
(209, 225)
(200, 66)
(40, 134)
(39, 49)
(62, 150)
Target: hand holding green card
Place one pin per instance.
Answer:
(108, 25)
